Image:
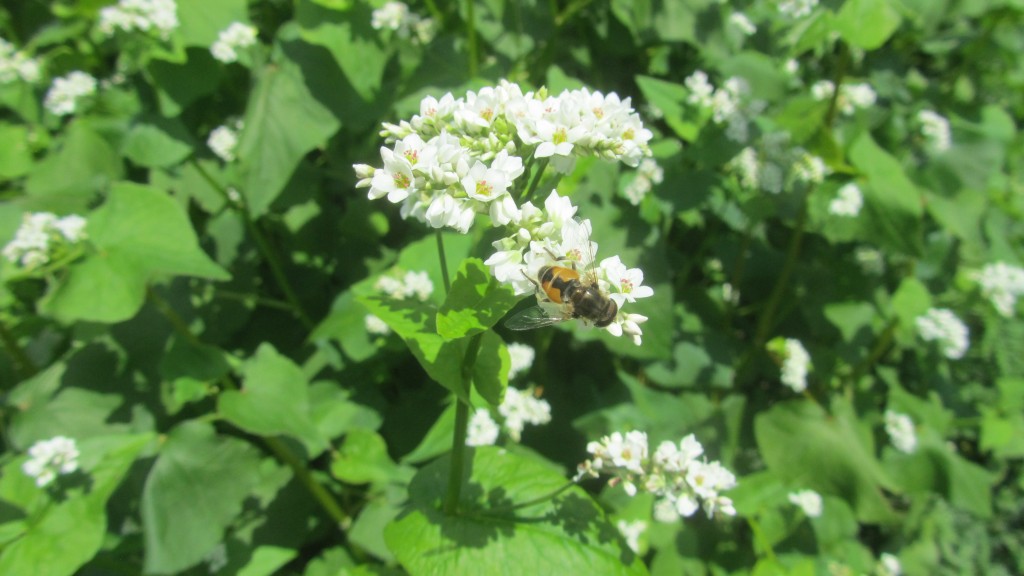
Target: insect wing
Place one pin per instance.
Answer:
(533, 317)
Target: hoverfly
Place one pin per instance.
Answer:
(565, 293)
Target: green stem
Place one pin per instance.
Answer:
(767, 322)
(322, 495)
(22, 362)
(262, 245)
(755, 527)
(458, 461)
(444, 263)
(471, 37)
(880, 348)
(172, 316)
(535, 182)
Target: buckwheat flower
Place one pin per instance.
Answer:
(631, 532)
(418, 284)
(374, 325)
(160, 16)
(860, 95)
(791, 66)
(483, 430)
(870, 260)
(796, 8)
(810, 169)
(42, 238)
(1002, 284)
(900, 429)
(807, 500)
(51, 458)
(397, 17)
(223, 141)
(822, 90)
(740, 21)
(888, 565)
(935, 129)
(63, 97)
(746, 166)
(231, 40)
(848, 201)
(391, 286)
(16, 64)
(522, 358)
(520, 408)
(700, 89)
(796, 363)
(626, 283)
(943, 327)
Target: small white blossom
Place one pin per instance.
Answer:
(796, 363)
(391, 16)
(901, 431)
(948, 331)
(871, 261)
(411, 284)
(374, 325)
(888, 565)
(522, 358)
(231, 40)
(740, 21)
(483, 430)
(520, 408)
(223, 140)
(810, 169)
(851, 96)
(1002, 284)
(648, 174)
(64, 94)
(792, 66)
(51, 458)
(935, 129)
(43, 237)
(631, 532)
(848, 201)
(807, 500)
(160, 16)
(796, 8)
(16, 64)
(681, 482)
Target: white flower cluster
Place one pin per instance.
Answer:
(807, 500)
(15, 64)
(224, 139)
(739, 21)
(160, 16)
(888, 565)
(51, 458)
(848, 201)
(942, 326)
(796, 363)
(681, 481)
(810, 169)
(1002, 284)
(397, 17)
(870, 260)
(522, 358)
(411, 284)
(62, 98)
(460, 157)
(374, 325)
(851, 96)
(552, 237)
(797, 8)
(729, 104)
(935, 129)
(632, 531)
(648, 173)
(231, 39)
(518, 408)
(900, 429)
(43, 237)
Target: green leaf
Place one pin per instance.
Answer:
(490, 371)
(82, 165)
(852, 17)
(66, 533)
(892, 204)
(933, 468)
(283, 122)
(201, 21)
(195, 489)
(273, 400)
(15, 156)
(154, 141)
(850, 318)
(806, 446)
(670, 98)
(363, 459)
(565, 534)
(475, 302)
(347, 35)
(177, 85)
(346, 324)
(140, 233)
(910, 300)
